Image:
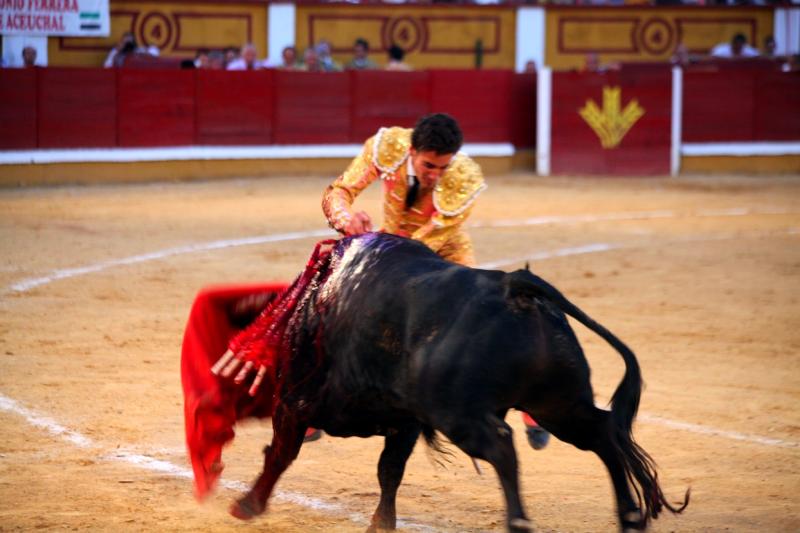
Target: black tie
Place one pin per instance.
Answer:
(411, 195)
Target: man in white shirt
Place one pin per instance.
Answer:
(248, 60)
(736, 49)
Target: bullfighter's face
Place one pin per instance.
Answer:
(429, 165)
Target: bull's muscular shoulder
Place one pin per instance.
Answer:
(390, 149)
(459, 186)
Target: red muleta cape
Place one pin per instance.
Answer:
(212, 405)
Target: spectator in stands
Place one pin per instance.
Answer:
(311, 60)
(736, 49)
(769, 46)
(360, 59)
(248, 59)
(231, 54)
(126, 46)
(201, 58)
(216, 60)
(396, 55)
(680, 57)
(592, 64)
(29, 56)
(327, 62)
(289, 59)
(530, 66)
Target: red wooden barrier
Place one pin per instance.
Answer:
(86, 108)
(479, 100)
(312, 107)
(156, 107)
(718, 106)
(743, 105)
(777, 107)
(18, 108)
(578, 148)
(523, 112)
(234, 107)
(387, 99)
(77, 107)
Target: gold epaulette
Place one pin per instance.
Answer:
(390, 149)
(459, 186)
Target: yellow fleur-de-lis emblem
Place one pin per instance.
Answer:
(611, 124)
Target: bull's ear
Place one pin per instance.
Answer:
(527, 266)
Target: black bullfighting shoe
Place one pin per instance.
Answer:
(537, 437)
(312, 434)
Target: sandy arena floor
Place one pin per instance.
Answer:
(700, 276)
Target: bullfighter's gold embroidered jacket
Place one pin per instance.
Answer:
(437, 215)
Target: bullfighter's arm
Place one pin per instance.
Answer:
(337, 202)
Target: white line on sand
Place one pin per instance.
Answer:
(161, 466)
(152, 464)
(27, 284)
(30, 283)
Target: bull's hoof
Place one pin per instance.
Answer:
(520, 525)
(382, 523)
(246, 508)
(375, 528)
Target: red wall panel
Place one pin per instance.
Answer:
(156, 107)
(479, 99)
(718, 106)
(387, 99)
(17, 108)
(741, 105)
(777, 107)
(234, 107)
(312, 107)
(523, 115)
(77, 108)
(576, 147)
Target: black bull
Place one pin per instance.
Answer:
(416, 345)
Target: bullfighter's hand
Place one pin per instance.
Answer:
(229, 363)
(358, 224)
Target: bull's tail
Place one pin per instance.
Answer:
(625, 401)
(639, 467)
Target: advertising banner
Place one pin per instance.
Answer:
(85, 18)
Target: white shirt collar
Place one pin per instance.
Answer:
(410, 171)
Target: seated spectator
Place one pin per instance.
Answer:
(248, 59)
(126, 46)
(230, 54)
(327, 62)
(360, 59)
(530, 66)
(289, 58)
(311, 61)
(216, 60)
(29, 56)
(736, 49)
(201, 58)
(769, 46)
(680, 57)
(396, 55)
(592, 64)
